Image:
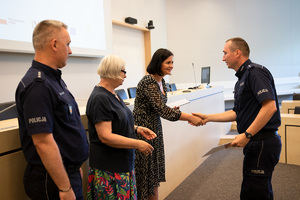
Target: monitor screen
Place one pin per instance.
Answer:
(205, 75)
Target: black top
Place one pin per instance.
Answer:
(104, 106)
(45, 105)
(255, 84)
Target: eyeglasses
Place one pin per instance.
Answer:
(123, 71)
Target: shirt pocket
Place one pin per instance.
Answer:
(238, 95)
(66, 109)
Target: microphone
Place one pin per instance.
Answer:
(194, 78)
(194, 75)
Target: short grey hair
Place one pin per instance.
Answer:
(110, 66)
(45, 31)
(241, 44)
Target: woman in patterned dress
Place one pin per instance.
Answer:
(149, 106)
(112, 137)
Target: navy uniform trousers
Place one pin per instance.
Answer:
(40, 186)
(261, 156)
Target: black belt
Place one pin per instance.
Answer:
(69, 168)
(263, 135)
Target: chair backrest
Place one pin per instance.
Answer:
(296, 96)
(297, 110)
(8, 110)
(122, 94)
(131, 92)
(173, 87)
(168, 87)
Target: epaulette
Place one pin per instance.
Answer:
(39, 76)
(254, 65)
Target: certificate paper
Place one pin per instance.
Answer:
(216, 149)
(178, 103)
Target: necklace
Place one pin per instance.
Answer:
(115, 94)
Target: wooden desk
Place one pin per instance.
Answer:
(290, 138)
(13, 163)
(288, 106)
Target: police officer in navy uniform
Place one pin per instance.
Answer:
(256, 112)
(53, 138)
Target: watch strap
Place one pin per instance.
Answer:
(248, 135)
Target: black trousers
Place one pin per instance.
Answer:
(40, 186)
(260, 159)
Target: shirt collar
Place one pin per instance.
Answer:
(55, 74)
(243, 68)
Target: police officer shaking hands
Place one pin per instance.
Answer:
(256, 112)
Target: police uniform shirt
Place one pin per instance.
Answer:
(45, 105)
(255, 84)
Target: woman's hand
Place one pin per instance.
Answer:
(145, 147)
(196, 121)
(146, 132)
(202, 116)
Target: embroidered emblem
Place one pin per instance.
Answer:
(262, 91)
(37, 120)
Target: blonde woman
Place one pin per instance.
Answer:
(112, 136)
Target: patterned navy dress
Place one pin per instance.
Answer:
(149, 106)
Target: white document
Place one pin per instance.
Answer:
(178, 103)
(216, 149)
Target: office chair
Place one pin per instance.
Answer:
(297, 110)
(131, 92)
(8, 110)
(173, 86)
(122, 94)
(168, 87)
(296, 96)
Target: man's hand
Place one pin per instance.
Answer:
(196, 121)
(49, 153)
(67, 195)
(202, 116)
(240, 141)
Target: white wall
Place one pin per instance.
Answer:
(129, 43)
(198, 29)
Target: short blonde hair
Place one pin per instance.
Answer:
(110, 66)
(45, 31)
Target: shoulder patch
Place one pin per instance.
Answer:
(254, 65)
(39, 76)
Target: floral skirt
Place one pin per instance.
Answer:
(111, 186)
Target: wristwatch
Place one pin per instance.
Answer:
(248, 135)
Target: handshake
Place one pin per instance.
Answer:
(198, 119)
